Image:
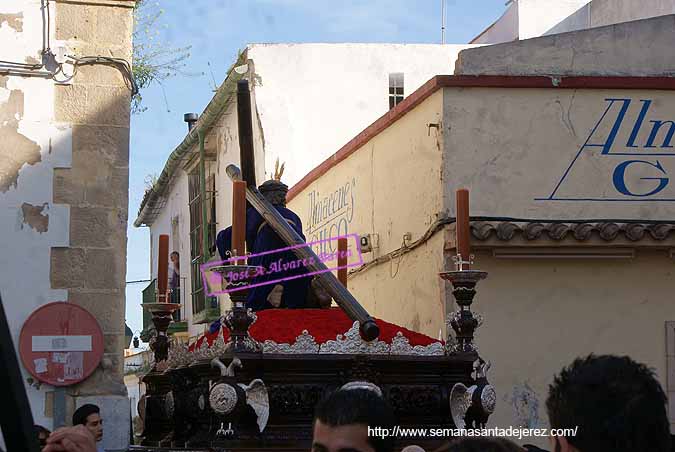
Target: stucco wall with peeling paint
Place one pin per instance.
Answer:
(64, 147)
(32, 144)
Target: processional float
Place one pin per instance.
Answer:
(253, 384)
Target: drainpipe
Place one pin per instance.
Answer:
(202, 194)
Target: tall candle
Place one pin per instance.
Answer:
(163, 268)
(342, 261)
(239, 218)
(462, 226)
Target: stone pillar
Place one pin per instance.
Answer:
(93, 267)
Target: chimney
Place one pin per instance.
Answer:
(191, 119)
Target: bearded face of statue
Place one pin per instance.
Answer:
(275, 192)
(276, 198)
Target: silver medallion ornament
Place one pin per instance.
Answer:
(488, 399)
(223, 398)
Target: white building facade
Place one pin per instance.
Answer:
(308, 100)
(525, 19)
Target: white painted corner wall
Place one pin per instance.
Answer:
(25, 258)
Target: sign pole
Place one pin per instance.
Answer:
(59, 407)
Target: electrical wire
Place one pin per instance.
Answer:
(47, 48)
(22, 65)
(406, 248)
(45, 45)
(441, 222)
(25, 72)
(121, 64)
(27, 69)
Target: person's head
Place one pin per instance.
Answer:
(175, 258)
(616, 403)
(42, 434)
(480, 444)
(274, 192)
(89, 415)
(342, 419)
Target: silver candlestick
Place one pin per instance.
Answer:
(463, 321)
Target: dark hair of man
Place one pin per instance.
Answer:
(174, 253)
(82, 413)
(617, 404)
(480, 444)
(360, 407)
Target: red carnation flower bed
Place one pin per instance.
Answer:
(283, 326)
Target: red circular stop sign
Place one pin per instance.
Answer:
(61, 344)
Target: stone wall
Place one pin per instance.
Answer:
(93, 268)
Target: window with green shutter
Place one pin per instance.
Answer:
(204, 309)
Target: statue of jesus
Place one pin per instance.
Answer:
(260, 237)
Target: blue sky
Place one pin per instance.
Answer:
(217, 29)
